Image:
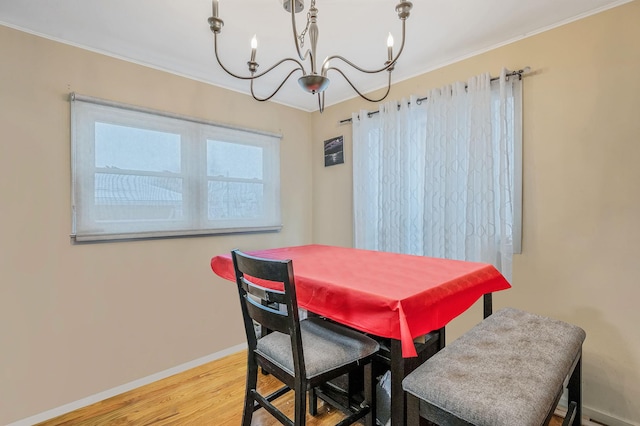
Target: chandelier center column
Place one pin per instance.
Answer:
(313, 35)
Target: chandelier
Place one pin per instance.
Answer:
(314, 80)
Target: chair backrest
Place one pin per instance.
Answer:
(265, 286)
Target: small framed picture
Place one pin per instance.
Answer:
(334, 151)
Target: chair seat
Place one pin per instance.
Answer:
(326, 346)
(507, 370)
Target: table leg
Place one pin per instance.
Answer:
(398, 406)
(487, 304)
(400, 367)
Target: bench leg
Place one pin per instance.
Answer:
(571, 414)
(413, 410)
(575, 390)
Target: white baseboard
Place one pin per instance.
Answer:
(606, 419)
(591, 417)
(67, 408)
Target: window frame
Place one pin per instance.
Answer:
(195, 136)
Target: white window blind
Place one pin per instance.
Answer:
(139, 173)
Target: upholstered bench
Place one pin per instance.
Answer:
(511, 369)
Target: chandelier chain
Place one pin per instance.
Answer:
(304, 32)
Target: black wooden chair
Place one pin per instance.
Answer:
(301, 353)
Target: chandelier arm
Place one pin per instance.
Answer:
(254, 76)
(358, 92)
(387, 64)
(299, 67)
(276, 91)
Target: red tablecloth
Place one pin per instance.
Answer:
(389, 295)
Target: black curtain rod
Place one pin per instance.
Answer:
(519, 73)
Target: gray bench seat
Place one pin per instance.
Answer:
(508, 370)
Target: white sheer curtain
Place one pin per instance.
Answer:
(442, 177)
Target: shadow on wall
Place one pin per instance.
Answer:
(609, 371)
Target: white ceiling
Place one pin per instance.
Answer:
(174, 35)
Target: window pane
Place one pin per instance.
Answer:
(130, 197)
(234, 160)
(228, 200)
(130, 148)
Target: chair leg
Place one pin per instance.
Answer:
(313, 402)
(252, 381)
(370, 394)
(300, 397)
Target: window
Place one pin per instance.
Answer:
(139, 173)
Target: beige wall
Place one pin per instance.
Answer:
(76, 320)
(581, 241)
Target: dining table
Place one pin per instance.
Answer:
(405, 299)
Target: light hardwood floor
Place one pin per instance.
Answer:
(211, 394)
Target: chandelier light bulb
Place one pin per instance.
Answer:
(254, 47)
(214, 5)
